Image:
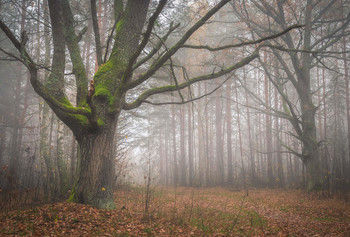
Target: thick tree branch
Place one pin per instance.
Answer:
(191, 81)
(96, 32)
(81, 33)
(152, 20)
(74, 51)
(292, 151)
(275, 113)
(316, 52)
(192, 99)
(26, 59)
(14, 57)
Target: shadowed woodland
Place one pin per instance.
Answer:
(161, 118)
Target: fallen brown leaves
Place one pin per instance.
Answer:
(186, 212)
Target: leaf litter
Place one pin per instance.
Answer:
(187, 212)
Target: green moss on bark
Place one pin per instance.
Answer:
(73, 197)
(100, 122)
(81, 118)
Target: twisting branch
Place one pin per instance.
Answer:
(291, 150)
(26, 59)
(315, 52)
(171, 68)
(191, 81)
(276, 112)
(14, 57)
(192, 99)
(251, 42)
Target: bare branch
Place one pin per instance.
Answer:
(14, 57)
(191, 81)
(251, 42)
(292, 151)
(156, 48)
(192, 99)
(26, 59)
(81, 33)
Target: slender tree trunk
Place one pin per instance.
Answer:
(280, 181)
(173, 124)
(15, 143)
(211, 161)
(219, 144)
(183, 168)
(166, 151)
(269, 157)
(319, 101)
(190, 146)
(207, 147)
(202, 155)
(228, 133)
(259, 136)
(161, 158)
(251, 151)
(346, 78)
(240, 135)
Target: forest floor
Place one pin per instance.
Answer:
(187, 212)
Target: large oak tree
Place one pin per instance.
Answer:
(93, 117)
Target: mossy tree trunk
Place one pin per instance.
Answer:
(96, 172)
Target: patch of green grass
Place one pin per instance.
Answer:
(284, 209)
(256, 220)
(124, 234)
(148, 231)
(199, 223)
(325, 218)
(18, 218)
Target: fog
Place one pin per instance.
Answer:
(277, 120)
